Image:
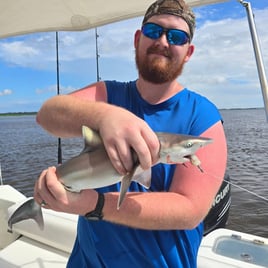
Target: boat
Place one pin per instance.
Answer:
(27, 245)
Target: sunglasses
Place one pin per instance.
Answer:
(174, 36)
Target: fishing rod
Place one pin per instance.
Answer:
(97, 54)
(58, 80)
(58, 93)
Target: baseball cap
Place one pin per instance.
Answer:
(172, 7)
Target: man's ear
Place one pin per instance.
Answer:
(189, 52)
(137, 38)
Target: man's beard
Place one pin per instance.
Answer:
(156, 70)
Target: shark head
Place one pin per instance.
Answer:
(178, 149)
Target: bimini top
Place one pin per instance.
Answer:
(27, 16)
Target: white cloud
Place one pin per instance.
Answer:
(223, 66)
(31, 51)
(17, 52)
(53, 89)
(5, 92)
(38, 51)
(117, 39)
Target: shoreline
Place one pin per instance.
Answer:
(34, 113)
(18, 114)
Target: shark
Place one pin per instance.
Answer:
(92, 169)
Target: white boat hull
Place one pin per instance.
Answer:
(30, 247)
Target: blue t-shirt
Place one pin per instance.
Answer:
(104, 244)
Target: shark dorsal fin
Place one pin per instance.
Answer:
(92, 139)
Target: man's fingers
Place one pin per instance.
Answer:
(45, 188)
(115, 159)
(143, 153)
(41, 191)
(153, 145)
(56, 189)
(124, 154)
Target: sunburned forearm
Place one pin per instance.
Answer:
(64, 115)
(152, 211)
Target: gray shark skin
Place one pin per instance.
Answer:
(92, 168)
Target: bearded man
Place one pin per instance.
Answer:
(161, 226)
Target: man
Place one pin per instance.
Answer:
(161, 227)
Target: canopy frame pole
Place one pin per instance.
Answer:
(258, 54)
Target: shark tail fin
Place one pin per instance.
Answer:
(28, 209)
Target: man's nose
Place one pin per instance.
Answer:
(163, 40)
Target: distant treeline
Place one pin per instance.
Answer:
(34, 113)
(18, 114)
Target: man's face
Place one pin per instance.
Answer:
(157, 61)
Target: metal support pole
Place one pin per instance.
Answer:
(258, 55)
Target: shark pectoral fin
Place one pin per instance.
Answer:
(29, 209)
(143, 177)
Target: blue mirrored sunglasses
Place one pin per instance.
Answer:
(174, 36)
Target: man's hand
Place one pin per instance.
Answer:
(123, 132)
(50, 193)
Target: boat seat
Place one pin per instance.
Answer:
(17, 255)
(224, 248)
(28, 246)
(59, 230)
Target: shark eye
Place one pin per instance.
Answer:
(188, 144)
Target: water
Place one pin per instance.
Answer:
(26, 149)
(247, 136)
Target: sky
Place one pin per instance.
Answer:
(223, 67)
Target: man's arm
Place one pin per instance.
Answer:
(190, 196)
(64, 115)
(121, 130)
(183, 207)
